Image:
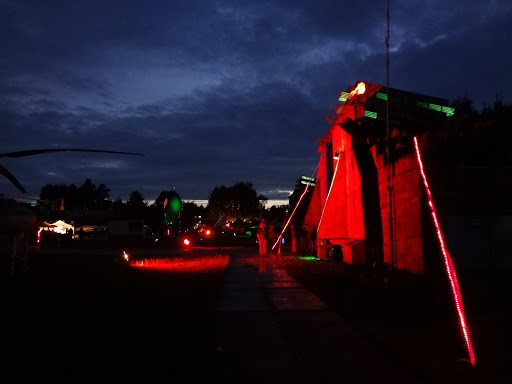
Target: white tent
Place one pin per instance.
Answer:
(61, 227)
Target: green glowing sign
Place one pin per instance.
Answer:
(435, 107)
(381, 96)
(308, 180)
(344, 96)
(370, 114)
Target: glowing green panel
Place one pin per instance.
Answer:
(434, 107)
(344, 96)
(449, 111)
(381, 96)
(370, 114)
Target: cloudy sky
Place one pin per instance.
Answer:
(218, 92)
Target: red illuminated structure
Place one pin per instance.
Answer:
(368, 199)
(372, 199)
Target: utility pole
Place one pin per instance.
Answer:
(388, 153)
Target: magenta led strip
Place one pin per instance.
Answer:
(450, 270)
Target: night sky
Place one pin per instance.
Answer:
(219, 92)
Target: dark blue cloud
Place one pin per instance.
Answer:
(216, 92)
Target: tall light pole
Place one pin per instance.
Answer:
(388, 152)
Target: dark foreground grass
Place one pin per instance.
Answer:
(412, 319)
(94, 318)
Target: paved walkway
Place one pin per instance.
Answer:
(270, 329)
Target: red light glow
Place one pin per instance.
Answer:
(328, 194)
(208, 232)
(450, 270)
(39, 235)
(186, 241)
(199, 264)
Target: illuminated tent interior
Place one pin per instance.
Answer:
(59, 226)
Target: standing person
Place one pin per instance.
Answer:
(271, 237)
(293, 236)
(262, 238)
(313, 240)
(304, 240)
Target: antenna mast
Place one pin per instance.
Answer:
(388, 150)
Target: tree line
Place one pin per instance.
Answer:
(237, 203)
(470, 137)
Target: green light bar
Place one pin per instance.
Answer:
(435, 107)
(449, 111)
(308, 178)
(308, 258)
(344, 96)
(370, 114)
(311, 183)
(381, 96)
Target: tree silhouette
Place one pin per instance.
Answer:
(192, 214)
(92, 196)
(136, 200)
(87, 197)
(238, 202)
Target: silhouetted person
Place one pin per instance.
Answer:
(293, 236)
(271, 237)
(261, 233)
(313, 240)
(304, 240)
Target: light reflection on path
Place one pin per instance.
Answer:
(270, 329)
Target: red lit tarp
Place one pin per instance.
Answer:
(342, 219)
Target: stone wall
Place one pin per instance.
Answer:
(406, 218)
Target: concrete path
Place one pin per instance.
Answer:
(270, 329)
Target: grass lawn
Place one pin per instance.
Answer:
(95, 317)
(411, 318)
